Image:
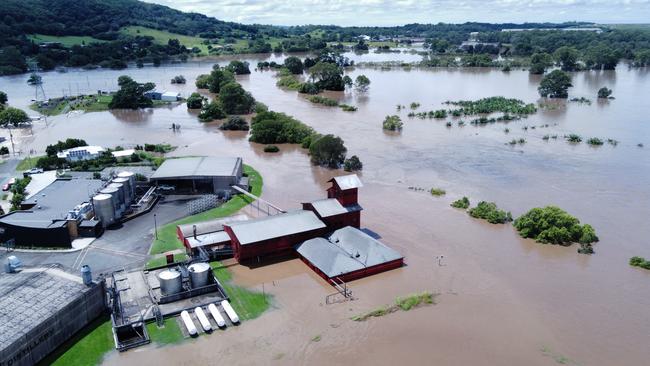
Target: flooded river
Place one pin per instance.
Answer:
(503, 300)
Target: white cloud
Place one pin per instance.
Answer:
(397, 12)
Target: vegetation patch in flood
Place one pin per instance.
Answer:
(640, 262)
(323, 100)
(492, 105)
(461, 203)
(392, 123)
(490, 212)
(401, 303)
(437, 192)
(552, 225)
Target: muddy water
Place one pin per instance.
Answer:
(503, 300)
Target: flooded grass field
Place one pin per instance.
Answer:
(502, 299)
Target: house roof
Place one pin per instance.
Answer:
(198, 167)
(346, 250)
(90, 149)
(210, 226)
(332, 207)
(275, 226)
(347, 181)
(208, 239)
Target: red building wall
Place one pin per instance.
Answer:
(179, 233)
(337, 221)
(346, 197)
(351, 276)
(276, 246)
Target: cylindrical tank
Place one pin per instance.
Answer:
(86, 275)
(104, 208)
(128, 191)
(199, 274)
(230, 311)
(120, 192)
(131, 177)
(170, 282)
(205, 323)
(217, 315)
(114, 193)
(189, 324)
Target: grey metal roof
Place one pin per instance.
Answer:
(271, 227)
(208, 239)
(205, 166)
(346, 250)
(210, 226)
(332, 207)
(348, 181)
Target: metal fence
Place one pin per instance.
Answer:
(202, 204)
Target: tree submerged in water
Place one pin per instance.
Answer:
(490, 212)
(555, 85)
(604, 92)
(392, 123)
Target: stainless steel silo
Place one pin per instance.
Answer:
(199, 274)
(114, 193)
(128, 191)
(104, 209)
(171, 281)
(131, 177)
(120, 194)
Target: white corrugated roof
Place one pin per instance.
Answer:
(271, 227)
(328, 207)
(346, 250)
(208, 239)
(90, 149)
(348, 181)
(206, 166)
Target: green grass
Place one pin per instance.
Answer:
(170, 333)
(401, 303)
(28, 163)
(90, 348)
(162, 260)
(66, 41)
(162, 37)
(167, 238)
(88, 103)
(248, 304)
(437, 192)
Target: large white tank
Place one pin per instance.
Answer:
(170, 282)
(221, 322)
(230, 311)
(205, 323)
(199, 274)
(189, 324)
(114, 193)
(120, 193)
(128, 192)
(131, 177)
(104, 209)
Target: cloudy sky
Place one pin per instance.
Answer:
(397, 12)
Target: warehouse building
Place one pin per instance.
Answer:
(348, 254)
(55, 216)
(195, 175)
(273, 235)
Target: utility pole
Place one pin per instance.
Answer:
(11, 137)
(155, 225)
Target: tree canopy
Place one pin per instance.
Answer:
(235, 100)
(238, 67)
(327, 76)
(328, 151)
(294, 65)
(555, 85)
(13, 117)
(131, 94)
(553, 225)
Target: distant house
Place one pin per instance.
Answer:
(153, 95)
(170, 97)
(123, 153)
(81, 153)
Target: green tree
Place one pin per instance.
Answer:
(642, 58)
(567, 57)
(13, 117)
(539, 62)
(489, 211)
(392, 123)
(195, 101)
(601, 57)
(212, 111)
(203, 81)
(604, 92)
(352, 164)
(362, 83)
(294, 65)
(11, 61)
(218, 78)
(327, 76)
(553, 225)
(131, 94)
(235, 100)
(3, 98)
(555, 85)
(238, 67)
(35, 79)
(328, 151)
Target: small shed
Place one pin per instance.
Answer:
(334, 214)
(345, 189)
(170, 97)
(348, 254)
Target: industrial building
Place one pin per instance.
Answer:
(214, 175)
(81, 153)
(41, 309)
(348, 254)
(208, 236)
(273, 235)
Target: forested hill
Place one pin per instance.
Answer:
(101, 18)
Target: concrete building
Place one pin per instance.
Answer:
(273, 235)
(41, 309)
(81, 153)
(54, 216)
(348, 254)
(200, 174)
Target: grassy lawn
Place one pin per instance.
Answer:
(170, 333)
(162, 37)
(28, 163)
(162, 260)
(167, 238)
(88, 349)
(66, 41)
(88, 103)
(247, 304)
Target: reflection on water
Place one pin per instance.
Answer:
(592, 308)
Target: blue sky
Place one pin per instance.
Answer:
(398, 12)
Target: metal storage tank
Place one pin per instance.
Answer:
(86, 275)
(104, 208)
(170, 281)
(199, 274)
(121, 192)
(131, 177)
(128, 191)
(114, 193)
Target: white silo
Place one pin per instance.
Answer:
(104, 209)
(114, 193)
(128, 192)
(120, 194)
(131, 177)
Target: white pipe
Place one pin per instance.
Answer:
(189, 324)
(205, 323)
(230, 311)
(216, 315)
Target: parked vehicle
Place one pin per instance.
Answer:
(32, 171)
(7, 186)
(166, 188)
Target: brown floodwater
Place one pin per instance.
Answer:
(503, 300)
